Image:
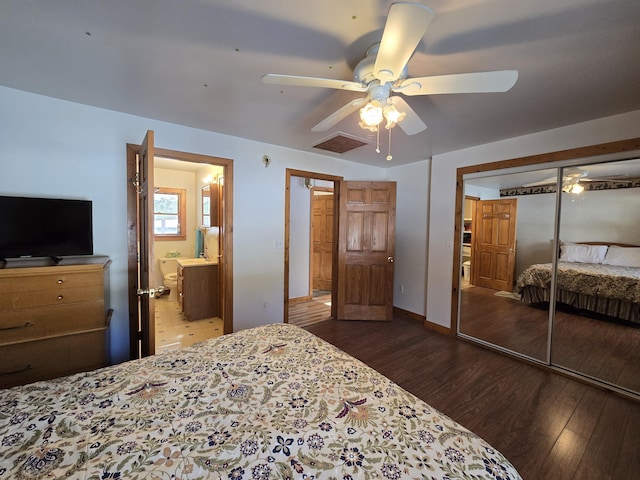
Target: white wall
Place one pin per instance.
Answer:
(534, 230)
(299, 238)
(54, 148)
(410, 263)
(443, 181)
(601, 216)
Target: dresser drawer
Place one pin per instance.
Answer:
(23, 363)
(31, 323)
(59, 280)
(40, 298)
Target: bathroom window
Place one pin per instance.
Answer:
(169, 214)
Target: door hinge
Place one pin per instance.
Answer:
(136, 183)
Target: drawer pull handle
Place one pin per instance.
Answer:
(60, 282)
(18, 327)
(19, 370)
(60, 297)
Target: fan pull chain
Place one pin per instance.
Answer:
(389, 157)
(378, 140)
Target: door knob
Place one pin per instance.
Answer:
(390, 259)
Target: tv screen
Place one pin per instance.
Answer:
(45, 227)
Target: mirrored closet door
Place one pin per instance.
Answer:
(596, 330)
(549, 265)
(508, 231)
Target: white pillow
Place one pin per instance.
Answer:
(578, 252)
(623, 256)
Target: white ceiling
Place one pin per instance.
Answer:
(199, 63)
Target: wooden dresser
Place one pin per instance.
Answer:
(53, 321)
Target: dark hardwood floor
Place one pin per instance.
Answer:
(593, 345)
(548, 425)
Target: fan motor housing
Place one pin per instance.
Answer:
(363, 73)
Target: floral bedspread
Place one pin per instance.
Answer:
(266, 403)
(609, 281)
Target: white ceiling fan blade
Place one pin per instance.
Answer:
(412, 123)
(479, 82)
(277, 79)
(340, 114)
(546, 181)
(406, 25)
(607, 179)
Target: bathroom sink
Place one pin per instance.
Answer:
(190, 262)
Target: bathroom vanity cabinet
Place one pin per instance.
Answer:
(198, 288)
(53, 321)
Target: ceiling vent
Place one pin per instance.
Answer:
(341, 143)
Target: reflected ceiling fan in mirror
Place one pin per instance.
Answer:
(384, 71)
(571, 181)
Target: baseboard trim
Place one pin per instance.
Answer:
(422, 319)
(294, 301)
(410, 315)
(437, 327)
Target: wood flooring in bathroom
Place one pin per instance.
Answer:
(174, 331)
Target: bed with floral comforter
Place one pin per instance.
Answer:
(265, 403)
(610, 290)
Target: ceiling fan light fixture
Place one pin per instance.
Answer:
(371, 116)
(573, 188)
(577, 189)
(392, 115)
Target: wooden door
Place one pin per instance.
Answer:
(322, 240)
(494, 244)
(366, 241)
(146, 278)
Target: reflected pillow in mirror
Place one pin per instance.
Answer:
(579, 252)
(623, 256)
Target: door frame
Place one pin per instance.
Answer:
(290, 172)
(132, 229)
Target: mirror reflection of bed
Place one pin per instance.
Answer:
(590, 325)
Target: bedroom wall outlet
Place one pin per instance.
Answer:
(264, 306)
(402, 288)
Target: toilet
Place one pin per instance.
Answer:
(169, 269)
(466, 270)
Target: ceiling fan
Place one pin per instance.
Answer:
(384, 71)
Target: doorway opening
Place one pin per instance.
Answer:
(182, 319)
(467, 240)
(144, 336)
(311, 216)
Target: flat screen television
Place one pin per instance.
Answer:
(45, 227)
